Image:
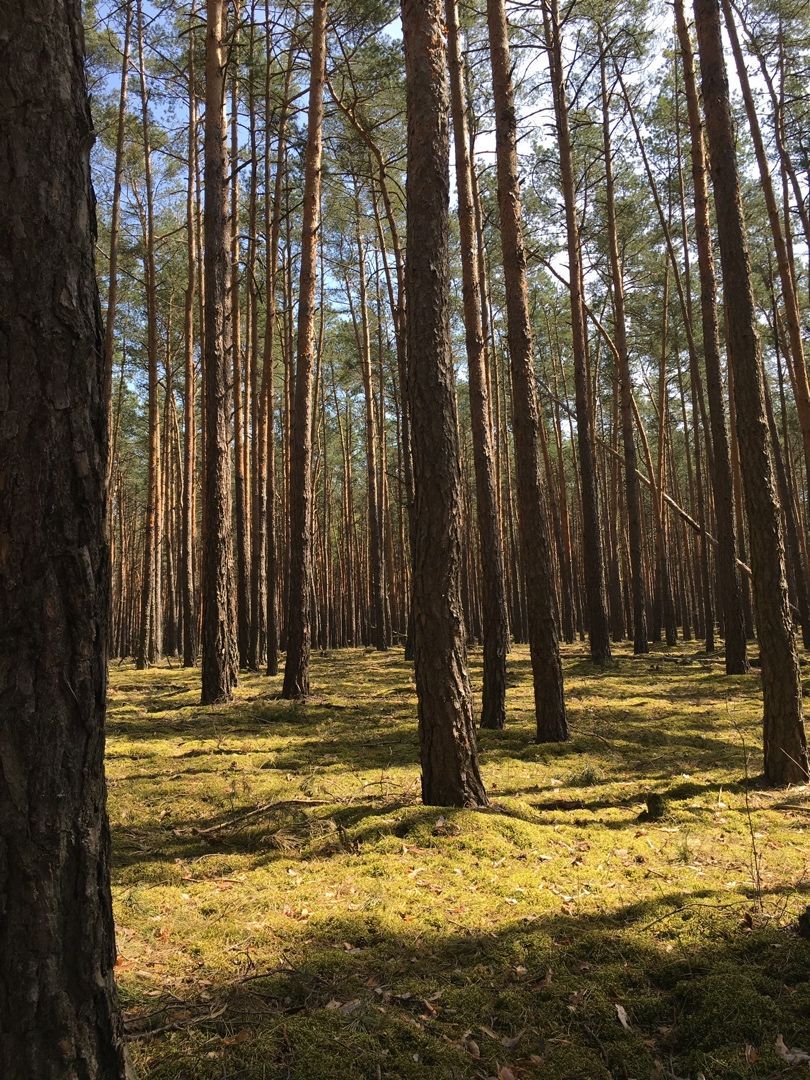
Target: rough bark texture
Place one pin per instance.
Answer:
(219, 647)
(535, 547)
(58, 1014)
(493, 588)
(450, 775)
(299, 633)
(785, 743)
(794, 343)
(730, 592)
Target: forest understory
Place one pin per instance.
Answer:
(285, 907)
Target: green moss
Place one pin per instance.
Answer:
(345, 930)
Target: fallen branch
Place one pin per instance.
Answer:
(257, 811)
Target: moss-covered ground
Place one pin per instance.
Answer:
(287, 908)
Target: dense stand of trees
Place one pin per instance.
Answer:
(594, 453)
(383, 433)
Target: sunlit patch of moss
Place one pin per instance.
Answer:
(287, 908)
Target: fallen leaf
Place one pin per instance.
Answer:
(791, 1055)
(509, 1042)
(472, 1048)
(234, 1040)
(621, 1012)
(751, 1054)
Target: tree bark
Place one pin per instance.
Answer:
(363, 335)
(149, 645)
(220, 657)
(730, 592)
(535, 545)
(187, 554)
(632, 492)
(296, 669)
(592, 560)
(450, 774)
(115, 232)
(784, 260)
(784, 737)
(242, 570)
(495, 623)
(59, 1018)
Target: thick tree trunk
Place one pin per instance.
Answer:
(535, 544)
(730, 592)
(495, 623)
(220, 659)
(450, 774)
(296, 670)
(784, 261)
(59, 1018)
(784, 737)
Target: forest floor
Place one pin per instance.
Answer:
(287, 908)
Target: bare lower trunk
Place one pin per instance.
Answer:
(535, 543)
(496, 634)
(296, 670)
(59, 1018)
(784, 737)
(730, 592)
(220, 659)
(450, 774)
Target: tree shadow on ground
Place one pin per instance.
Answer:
(673, 987)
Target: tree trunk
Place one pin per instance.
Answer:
(363, 336)
(450, 774)
(220, 658)
(730, 593)
(495, 626)
(784, 262)
(234, 303)
(784, 737)
(534, 535)
(115, 232)
(187, 554)
(598, 625)
(149, 645)
(59, 1018)
(296, 670)
(632, 492)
